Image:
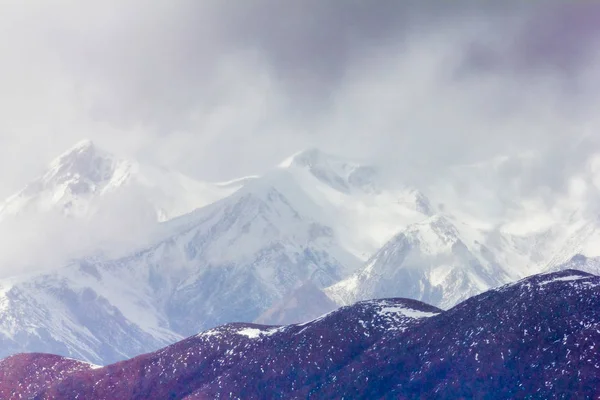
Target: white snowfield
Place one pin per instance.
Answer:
(230, 252)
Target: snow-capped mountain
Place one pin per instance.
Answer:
(458, 253)
(90, 202)
(76, 183)
(431, 261)
(536, 338)
(582, 237)
(363, 209)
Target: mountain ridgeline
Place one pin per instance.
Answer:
(536, 338)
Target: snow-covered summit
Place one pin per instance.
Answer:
(90, 201)
(76, 180)
(76, 174)
(84, 159)
(435, 260)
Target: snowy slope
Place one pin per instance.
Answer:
(443, 261)
(539, 226)
(364, 210)
(81, 312)
(242, 255)
(247, 252)
(580, 238)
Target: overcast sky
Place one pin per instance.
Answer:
(221, 89)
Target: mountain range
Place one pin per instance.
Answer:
(536, 338)
(314, 233)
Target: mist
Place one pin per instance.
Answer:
(219, 92)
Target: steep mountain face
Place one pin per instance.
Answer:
(536, 338)
(243, 255)
(431, 261)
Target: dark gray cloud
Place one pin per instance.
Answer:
(163, 62)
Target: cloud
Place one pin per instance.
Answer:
(492, 102)
(419, 86)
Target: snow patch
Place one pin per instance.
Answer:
(254, 333)
(407, 312)
(565, 279)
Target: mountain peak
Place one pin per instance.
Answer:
(82, 161)
(83, 149)
(83, 144)
(435, 228)
(79, 172)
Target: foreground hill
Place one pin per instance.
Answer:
(536, 338)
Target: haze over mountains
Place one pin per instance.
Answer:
(310, 199)
(316, 232)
